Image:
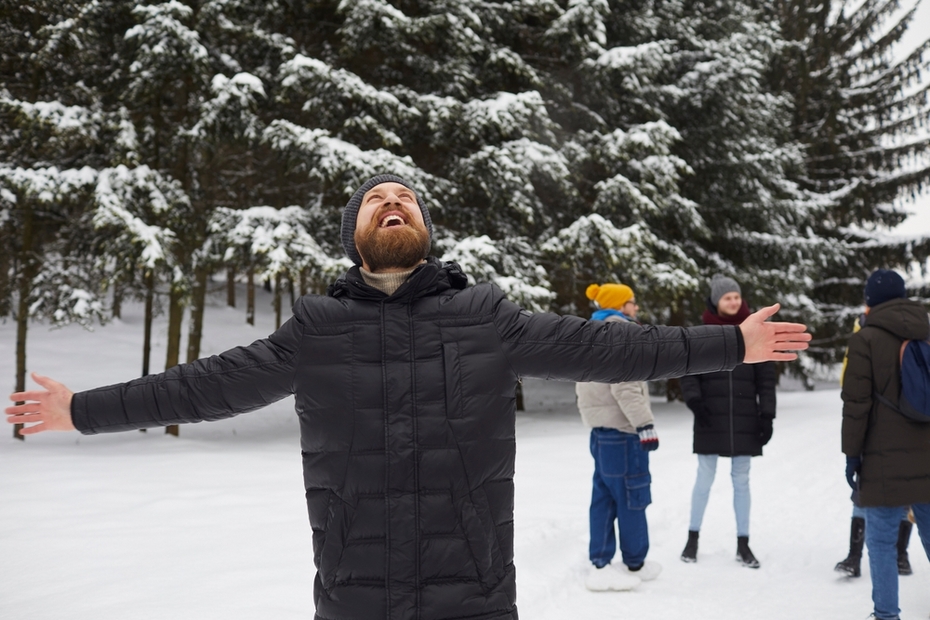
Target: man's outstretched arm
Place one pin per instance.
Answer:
(571, 348)
(235, 381)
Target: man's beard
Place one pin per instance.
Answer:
(383, 248)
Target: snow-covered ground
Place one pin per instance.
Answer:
(213, 524)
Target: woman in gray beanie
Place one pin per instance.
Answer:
(733, 414)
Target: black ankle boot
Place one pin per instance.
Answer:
(851, 565)
(743, 555)
(690, 552)
(904, 536)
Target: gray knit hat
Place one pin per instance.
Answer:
(720, 285)
(350, 213)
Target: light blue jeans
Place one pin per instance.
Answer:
(881, 539)
(707, 470)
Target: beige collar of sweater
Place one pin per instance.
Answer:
(387, 283)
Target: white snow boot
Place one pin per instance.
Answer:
(646, 572)
(609, 579)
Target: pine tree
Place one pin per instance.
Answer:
(272, 244)
(50, 128)
(861, 114)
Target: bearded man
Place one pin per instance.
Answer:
(405, 379)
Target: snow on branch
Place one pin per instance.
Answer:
(45, 185)
(60, 117)
(232, 107)
(126, 198)
(65, 292)
(165, 43)
(635, 252)
(322, 87)
(508, 264)
(501, 117)
(275, 241)
(338, 163)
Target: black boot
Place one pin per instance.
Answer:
(743, 555)
(904, 536)
(690, 552)
(851, 565)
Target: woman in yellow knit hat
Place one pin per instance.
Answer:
(622, 435)
(612, 297)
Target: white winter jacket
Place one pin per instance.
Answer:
(623, 406)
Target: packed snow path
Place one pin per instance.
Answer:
(213, 525)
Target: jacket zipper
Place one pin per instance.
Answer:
(387, 472)
(416, 452)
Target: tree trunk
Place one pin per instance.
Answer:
(277, 301)
(147, 340)
(198, 301)
(231, 287)
(118, 301)
(28, 270)
(303, 281)
(175, 318)
(520, 405)
(149, 281)
(250, 297)
(291, 289)
(22, 325)
(6, 288)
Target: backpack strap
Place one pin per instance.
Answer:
(886, 402)
(875, 394)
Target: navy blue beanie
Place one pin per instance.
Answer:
(350, 213)
(884, 285)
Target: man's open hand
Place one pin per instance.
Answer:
(46, 410)
(771, 342)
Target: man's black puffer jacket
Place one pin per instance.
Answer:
(406, 407)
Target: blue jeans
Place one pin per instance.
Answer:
(621, 493)
(881, 539)
(707, 470)
(858, 511)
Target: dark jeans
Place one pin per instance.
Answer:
(621, 493)
(881, 539)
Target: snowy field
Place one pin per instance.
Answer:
(213, 525)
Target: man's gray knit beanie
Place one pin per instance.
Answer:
(350, 213)
(720, 285)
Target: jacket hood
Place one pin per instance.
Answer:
(904, 318)
(430, 278)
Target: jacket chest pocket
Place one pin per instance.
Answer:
(452, 377)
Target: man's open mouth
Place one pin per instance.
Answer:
(391, 219)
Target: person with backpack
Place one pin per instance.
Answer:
(733, 415)
(622, 436)
(887, 452)
(851, 565)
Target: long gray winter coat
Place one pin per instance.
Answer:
(895, 451)
(406, 407)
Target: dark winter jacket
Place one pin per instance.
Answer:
(735, 409)
(406, 407)
(895, 451)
